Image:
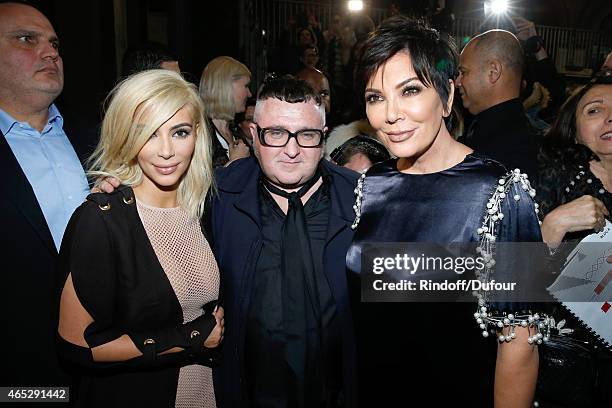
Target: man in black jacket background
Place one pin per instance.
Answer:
(42, 183)
(490, 75)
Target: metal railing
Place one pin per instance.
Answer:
(264, 21)
(575, 52)
(273, 15)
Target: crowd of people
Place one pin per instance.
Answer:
(208, 251)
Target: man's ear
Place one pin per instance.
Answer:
(325, 129)
(494, 70)
(253, 130)
(451, 97)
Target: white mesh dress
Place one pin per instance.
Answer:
(187, 259)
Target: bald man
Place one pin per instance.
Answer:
(43, 183)
(490, 74)
(607, 63)
(319, 82)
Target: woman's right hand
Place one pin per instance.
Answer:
(584, 213)
(216, 335)
(106, 185)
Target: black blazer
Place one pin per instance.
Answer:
(30, 282)
(122, 285)
(236, 228)
(219, 153)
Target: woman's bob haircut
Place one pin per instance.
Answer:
(216, 86)
(563, 130)
(136, 108)
(434, 55)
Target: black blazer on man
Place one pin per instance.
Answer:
(28, 305)
(237, 243)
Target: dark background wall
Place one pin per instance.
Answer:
(89, 59)
(94, 33)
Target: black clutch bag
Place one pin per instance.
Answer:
(567, 375)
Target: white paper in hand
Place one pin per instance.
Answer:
(587, 276)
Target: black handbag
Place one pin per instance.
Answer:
(567, 374)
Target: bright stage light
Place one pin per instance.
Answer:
(497, 7)
(355, 5)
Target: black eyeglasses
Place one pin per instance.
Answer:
(279, 137)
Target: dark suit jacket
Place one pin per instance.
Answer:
(28, 302)
(237, 238)
(219, 153)
(502, 133)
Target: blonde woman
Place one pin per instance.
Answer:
(224, 88)
(137, 315)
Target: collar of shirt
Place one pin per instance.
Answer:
(54, 118)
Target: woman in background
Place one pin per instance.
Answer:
(576, 178)
(575, 194)
(224, 88)
(137, 316)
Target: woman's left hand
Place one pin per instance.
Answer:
(583, 213)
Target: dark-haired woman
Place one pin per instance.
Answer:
(576, 176)
(574, 190)
(437, 191)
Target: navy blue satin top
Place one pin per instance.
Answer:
(444, 207)
(430, 352)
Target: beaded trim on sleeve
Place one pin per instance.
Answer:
(487, 321)
(358, 198)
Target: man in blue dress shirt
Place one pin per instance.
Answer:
(42, 182)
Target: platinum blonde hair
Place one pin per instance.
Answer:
(216, 86)
(136, 108)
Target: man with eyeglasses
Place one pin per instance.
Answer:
(280, 228)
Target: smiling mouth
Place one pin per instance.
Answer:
(606, 136)
(165, 170)
(400, 136)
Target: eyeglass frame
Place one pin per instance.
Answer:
(261, 131)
